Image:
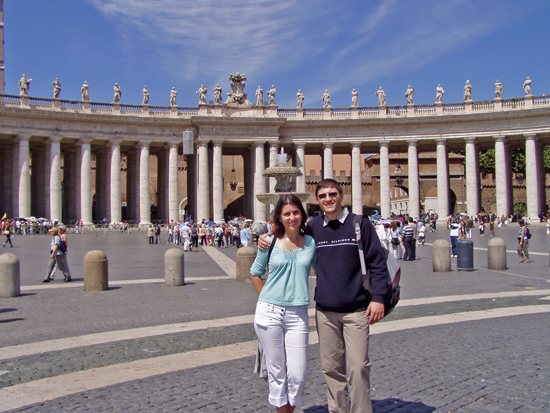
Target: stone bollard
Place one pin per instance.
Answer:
(96, 271)
(496, 254)
(174, 272)
(245, 258)
(9, 276)
(441, 256)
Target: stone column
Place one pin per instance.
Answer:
(204, 190)
(217, 182)
(144, 185)
(192, 174)
(301, 163)
(385, 201)
(116, 200)
(472, 178)
(132, 184)
(86, 181)
(442, 180)
(272, 161)
(259, 182)
(69, 207)
(102, 184)
(37, 182)
(414, 179)
(501, 176)
(24, 177)
(328, 168)
(356, 179)
(8, 191)
(55, 178)
(173, 184)
(532, 169)
(162, 184)
(248, 169)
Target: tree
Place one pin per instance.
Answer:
(487, 161)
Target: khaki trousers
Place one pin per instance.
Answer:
(344, 348)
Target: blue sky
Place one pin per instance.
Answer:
(310, 45)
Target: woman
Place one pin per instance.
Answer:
(7, 232)
(245, 236)
(523, 242)
(422, 234)
(194, 238)
(395, 243)
(281, 320)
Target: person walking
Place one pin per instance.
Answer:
(194, 238)
(407, 239)
(281, 320)
(394, 239)
(523, 242)
(56, 258)
(151, 235)
(245, 236)
(63, 238)
(7, 233)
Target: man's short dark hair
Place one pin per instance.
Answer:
(328, 183)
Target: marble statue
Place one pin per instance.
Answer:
(145, 96)
(259, 96)
(326, 99)
(218, 94)
(173, 94)
(118, 93)
(237, 94)
(354, 98)
(409, 95)
(381, 96)
(56, 88)
(440, 92)
(300, 97)
(271, 95)
(24, 85)
(526, 86)
(84, 91)
(202, 95)
(467, 91)
(498, 89)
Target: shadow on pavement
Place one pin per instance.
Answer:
(384, 405)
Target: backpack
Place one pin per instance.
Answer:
(527, 233)
(62, 246)
(391, 298)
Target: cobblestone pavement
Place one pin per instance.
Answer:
(498, 364)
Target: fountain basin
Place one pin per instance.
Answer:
(273, 198)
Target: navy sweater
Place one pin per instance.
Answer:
(339, 279)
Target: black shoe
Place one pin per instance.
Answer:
(67, 280)
(46, 280)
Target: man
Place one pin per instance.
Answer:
(455, 231)
(56, 258)
(344, 308)
(408, 239)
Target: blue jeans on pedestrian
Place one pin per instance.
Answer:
(454, 243)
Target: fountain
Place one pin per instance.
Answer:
(283, 172)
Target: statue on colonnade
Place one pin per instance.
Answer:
(467, 91)
(118, 93)
(354, 97)
(84, 91)
(218, 94)
(24, 85)
(300, 97)
(526, 86)
(498, 89)
(56, 88)
(145, 95)
(409, 95)
(381, 96)
(440, 92)
(237, 94)
(326, 99)
(202, 95)
(259, 96)
(173, 94)
(271, 95)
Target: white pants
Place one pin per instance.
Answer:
(244, 242)
(283, 333)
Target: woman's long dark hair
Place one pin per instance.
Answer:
(288, 199)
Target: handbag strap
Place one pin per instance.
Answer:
(273, 241)
(357, 224)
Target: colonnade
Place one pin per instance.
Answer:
(206, 165)
(65, 191)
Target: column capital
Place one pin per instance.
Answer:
(355, 145)
(273, 145)
(300, 145)
(384, 144)
(114, 142)
(441, 141)
(202, 144)
(412, 142)
(530, 136)
(23, 136)
(55, 138)
(84, 141)
(170, 145)
(328, 145)
(470, 140)
(499, 138)
(143, 144)
(217, 143)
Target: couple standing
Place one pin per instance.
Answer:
(344, 309)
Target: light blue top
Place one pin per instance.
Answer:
(287, 281)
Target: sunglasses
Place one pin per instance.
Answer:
(331, 194)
